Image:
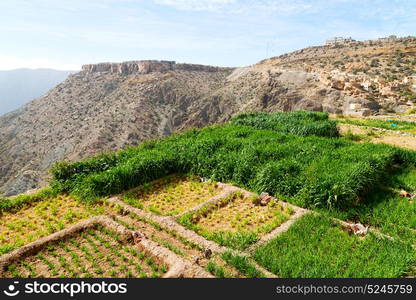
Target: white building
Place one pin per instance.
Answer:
(339, 41)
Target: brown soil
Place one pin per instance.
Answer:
(390, 138)
(43, 218)
(172, 195)
(241, 214)
(93, 253)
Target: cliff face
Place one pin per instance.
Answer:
(104, 107)
(109, 106)
(147, 66)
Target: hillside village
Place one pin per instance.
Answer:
(379, 75)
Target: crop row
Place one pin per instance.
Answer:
(94, 253)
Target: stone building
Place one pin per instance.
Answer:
(388, 39)
(339, 41)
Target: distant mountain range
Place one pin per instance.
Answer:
(23, 85)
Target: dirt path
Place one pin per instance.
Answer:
(386, 137)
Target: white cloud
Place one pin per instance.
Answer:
(198, 5)
(239, 6)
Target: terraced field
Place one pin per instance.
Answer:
(223, 234)
(328, 207)
(93, 253)
(237, 220)
(39, 219)
(171, 195)
(318, 247)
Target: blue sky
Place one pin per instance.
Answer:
(66, 34)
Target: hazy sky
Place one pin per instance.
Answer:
(66, 34)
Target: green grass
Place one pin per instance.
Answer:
(315, 246)
(216, 270)
(303, 123)
(385, 209)
(15, 203)
(309, 171)
(388, 124)
(242, 264)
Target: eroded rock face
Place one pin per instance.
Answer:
(146, 67)
(309, 105)
(359, 106)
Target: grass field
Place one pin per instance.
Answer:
(384, 124)
(303, 123)
(318, 247)
(309, 171)
(171, 195)
(385, 209)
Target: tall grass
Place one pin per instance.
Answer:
(315, 246)
(310, 171)
(303, 123)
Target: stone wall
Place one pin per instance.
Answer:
(147, 66)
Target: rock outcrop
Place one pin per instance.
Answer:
(146, 67)
(381, 70)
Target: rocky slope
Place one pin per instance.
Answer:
(375, 75)
(112, 105)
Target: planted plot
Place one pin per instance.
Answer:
(171, 195)
(315, 246)
(39, 219)
(162, 236)
(242, 264)
(93, 253)
(391, 207)
(236, 221)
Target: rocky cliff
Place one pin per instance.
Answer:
(146, 67)
(109, 106)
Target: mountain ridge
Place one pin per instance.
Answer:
(109, 106)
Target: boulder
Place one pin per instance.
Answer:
(309, 105)
(360, 107)
(264, 198)
(338, 84)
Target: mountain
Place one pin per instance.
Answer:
(22, 85)
(109, 106)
